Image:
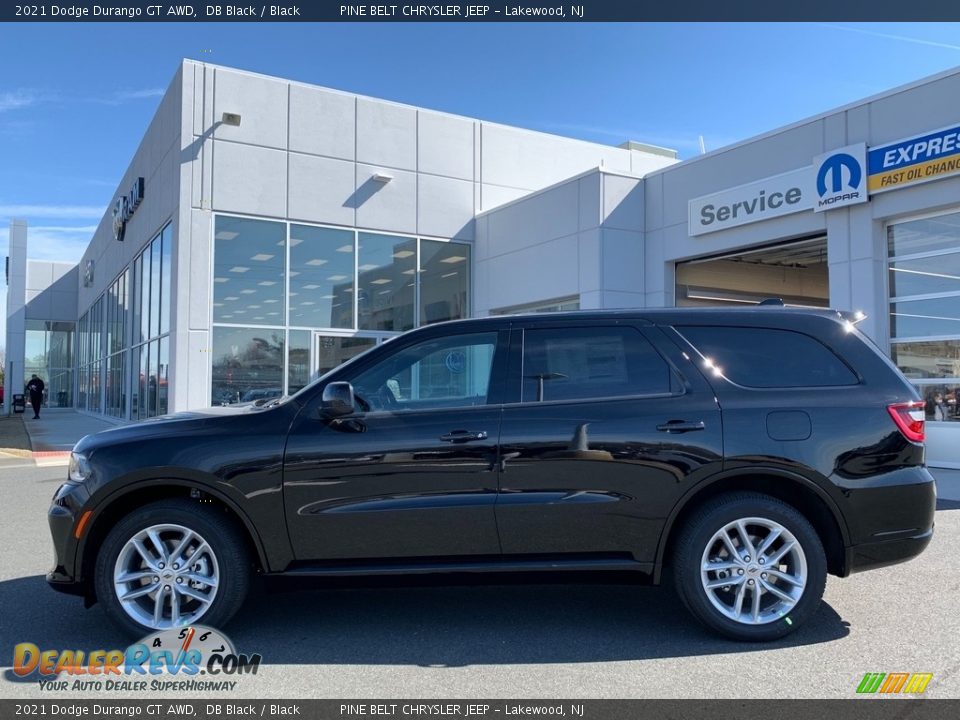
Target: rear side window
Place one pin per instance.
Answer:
(767, 358)
(580, 363)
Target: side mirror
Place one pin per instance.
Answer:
(337, 399)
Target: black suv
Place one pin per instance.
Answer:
(752, 451)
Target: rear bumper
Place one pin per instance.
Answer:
(870, 556)
(891, 518)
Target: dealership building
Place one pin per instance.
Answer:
(267, 230)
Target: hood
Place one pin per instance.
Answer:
(163, 425)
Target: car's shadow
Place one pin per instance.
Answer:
(435, 625)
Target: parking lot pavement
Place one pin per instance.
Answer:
(557, 640)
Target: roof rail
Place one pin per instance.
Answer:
(772, 301)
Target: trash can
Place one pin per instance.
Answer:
(19, 402)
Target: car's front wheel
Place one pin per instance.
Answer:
(172, 563)
(750, 567)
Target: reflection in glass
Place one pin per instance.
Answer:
(943, 402)
(248, 268)
(927, 235)
(298, 360)
(156, 248)
(928, 359)
(386, 274)
(922, 276)
(163, 377)
(933, 316)
(444, 269)
(144, 292)
(321, 291)
(334, 351)
(144, 381)
(49, 355)
(137, 281)
(247, 364)
(166, 268)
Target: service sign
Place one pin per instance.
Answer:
(761, 200)
(841, 177)
(914, 160)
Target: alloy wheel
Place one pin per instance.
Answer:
(165, 576)
(753, 570)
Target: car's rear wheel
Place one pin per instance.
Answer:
(750, 567)
(172, 563)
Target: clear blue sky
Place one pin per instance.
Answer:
(76, 99)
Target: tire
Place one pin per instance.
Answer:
(700, 545)
(215, 551)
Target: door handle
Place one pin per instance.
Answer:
(462, 436)
(680, 426)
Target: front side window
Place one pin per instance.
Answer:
(439, 373)
(566, 363)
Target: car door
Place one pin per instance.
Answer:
(601, 435)
(412, 472)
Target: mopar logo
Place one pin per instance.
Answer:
(834, 166)
(841, 178)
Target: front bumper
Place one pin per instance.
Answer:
(62, 516)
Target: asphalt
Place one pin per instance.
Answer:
(532, 641)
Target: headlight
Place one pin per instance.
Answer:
(79, 468)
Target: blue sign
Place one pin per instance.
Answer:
(841, 177)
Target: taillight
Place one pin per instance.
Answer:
(909, 417)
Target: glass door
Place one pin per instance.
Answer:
(329, 350)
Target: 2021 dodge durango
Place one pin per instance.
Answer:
(753, 451)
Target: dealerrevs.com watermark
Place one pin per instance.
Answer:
(185, 659)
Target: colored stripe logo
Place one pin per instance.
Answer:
(894, 683)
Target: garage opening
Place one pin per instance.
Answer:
(795, 271)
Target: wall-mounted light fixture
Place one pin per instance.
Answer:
(382, 178)
(231, 119)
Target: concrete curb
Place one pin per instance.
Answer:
(40, 458)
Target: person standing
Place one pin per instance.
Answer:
(35, 388)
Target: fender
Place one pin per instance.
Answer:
(184, 483)
(742, 472)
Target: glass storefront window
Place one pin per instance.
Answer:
(924, 284)
(137, 301)
(48, 354)
(155, 263)
(249, 271)
(321, 277)
(166, 269)
(386, 273)
(298, 359)
(926, 235)
(144, 290)
(163, 376)
(928, 359)
(444, 278)
(943, 402)
(338, 279)
(936, 274)
(927, 317)
(247, 364)
(334, 351)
